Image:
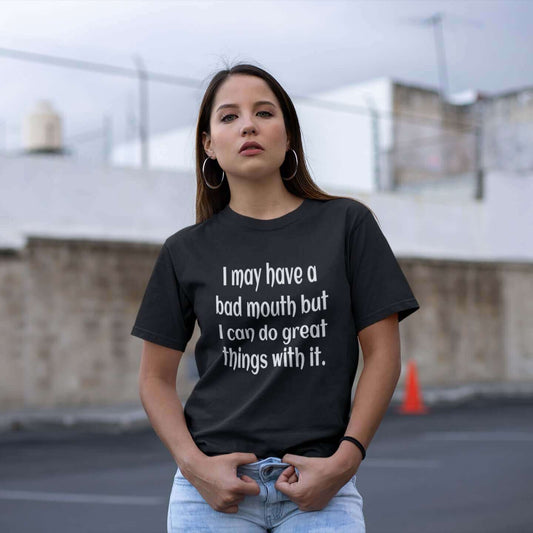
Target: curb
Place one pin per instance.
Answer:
(129, 417)
(113, 419)
(472, 394)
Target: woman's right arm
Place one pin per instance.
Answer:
(158, 394)
(214, 477)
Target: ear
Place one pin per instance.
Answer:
(206, 141)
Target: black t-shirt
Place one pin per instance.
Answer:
(279, 304)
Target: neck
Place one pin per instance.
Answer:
(264, 200)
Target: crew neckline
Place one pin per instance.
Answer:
(228, 215)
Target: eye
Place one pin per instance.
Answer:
(223, 119)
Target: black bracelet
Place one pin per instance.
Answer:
(357, 443)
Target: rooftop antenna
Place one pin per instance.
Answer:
(436, 21)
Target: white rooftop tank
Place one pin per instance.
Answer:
(42, 129)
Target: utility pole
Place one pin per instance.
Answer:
(143, 111)
(107, 138)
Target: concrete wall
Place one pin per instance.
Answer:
(68, 307)
(474, 323)
(508, 132)
(432, 224)
(67, 310)
(433, 141)
(62, 196)
(12, 316)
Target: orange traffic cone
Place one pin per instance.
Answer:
(413, 402)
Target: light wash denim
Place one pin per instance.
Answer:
(270, 511)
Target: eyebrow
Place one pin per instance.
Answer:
(260, 102)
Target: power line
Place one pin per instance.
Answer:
(197, 84)
(98, 67)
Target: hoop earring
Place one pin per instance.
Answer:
(203, 175)
(295, 170)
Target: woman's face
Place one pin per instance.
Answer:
(250, 118)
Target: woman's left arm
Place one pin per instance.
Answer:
(380, 343)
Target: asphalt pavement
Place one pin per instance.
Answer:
(464, 467)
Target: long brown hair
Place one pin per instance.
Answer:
(211, 201)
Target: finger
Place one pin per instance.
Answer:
(286, 473)
(242, 458)
(293, 479)
(292, 474)
(249, 486)
(283, 484)
(296, 460)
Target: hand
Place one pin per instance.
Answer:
(215, 478)
(320, 478)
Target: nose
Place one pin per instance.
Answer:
(248, 126)
(248, 129)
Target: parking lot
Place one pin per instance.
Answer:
(456, 469)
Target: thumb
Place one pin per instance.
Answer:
(295, 460)
(242, 458)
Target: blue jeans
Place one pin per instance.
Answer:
(270, 511)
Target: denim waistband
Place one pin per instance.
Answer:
(265, 469)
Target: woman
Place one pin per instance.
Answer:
(282, 279)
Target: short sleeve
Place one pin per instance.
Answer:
(166, 315)
(378, 285)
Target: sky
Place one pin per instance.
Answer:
(309, 46)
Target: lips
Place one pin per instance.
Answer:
(248, 145)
